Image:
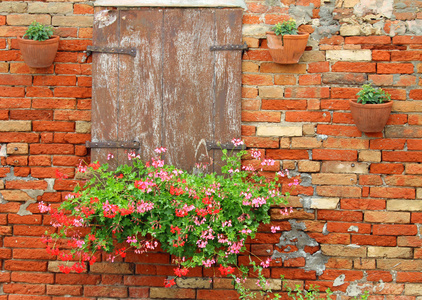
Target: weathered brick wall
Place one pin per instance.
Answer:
(358, 207)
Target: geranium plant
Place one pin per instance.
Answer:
(285, 27)
(372, 95)
(201, 220)
(38, 32)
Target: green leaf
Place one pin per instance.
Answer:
(38, 32)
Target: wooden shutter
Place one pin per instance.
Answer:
(175, 92)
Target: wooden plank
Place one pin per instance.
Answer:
(140, 96)
(228, 72)
(105, 70)
(173, 3)
(188, 81)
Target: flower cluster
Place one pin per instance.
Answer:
(200, 219)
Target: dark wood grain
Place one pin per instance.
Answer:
(175, 93)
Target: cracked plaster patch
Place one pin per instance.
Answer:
(23, 208)
(3, 151)
(297, 237)
(28, 195)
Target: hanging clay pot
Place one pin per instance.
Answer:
(38, 54)
(370, 117)
(287, 49)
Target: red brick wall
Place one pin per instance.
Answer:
(360, 199)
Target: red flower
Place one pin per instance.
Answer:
(176, 191)
(225, 270)
(61, 175)
(181, 272)
(78, 267)
(181, 212)
(169, 282)
(95, 165)
(65, 269)
(174, 229)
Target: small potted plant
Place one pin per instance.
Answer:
(286, 44)
(372, 109)
(38, 45)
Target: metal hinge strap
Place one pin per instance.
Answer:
(128, 145)
(242, 47)
(220, 146)
(112, 50)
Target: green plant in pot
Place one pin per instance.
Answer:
(286, 43)
(38, 45)
(372, 108)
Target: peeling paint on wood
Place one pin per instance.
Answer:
(104, 18)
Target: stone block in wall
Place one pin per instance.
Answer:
(339, 191)
(279, 131)
(193, 283)
(349, 55)
(349, 30)
(166, 293)
(341, 250)
(13, 7)
(324, 203)
(114, 268)
(50, 8)
(369, 155)
(83, 127)
(390, 252)
(309, 166)
(273, 92)
(255, 30)
(387, 217)
(306, 143)
(11, 126)
(28, 19)
(17, 148)
(350, 3)
(334, 179)
(80, 21)
(400, 205)
(419, 193)
(413, 289)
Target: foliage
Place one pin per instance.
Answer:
(286, 27)
(38, 32)
(312, 293)
(364, 296)
(201, 220)
(370, 95)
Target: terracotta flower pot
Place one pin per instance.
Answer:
(38, 54)
(287, 49)
(370, 117)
